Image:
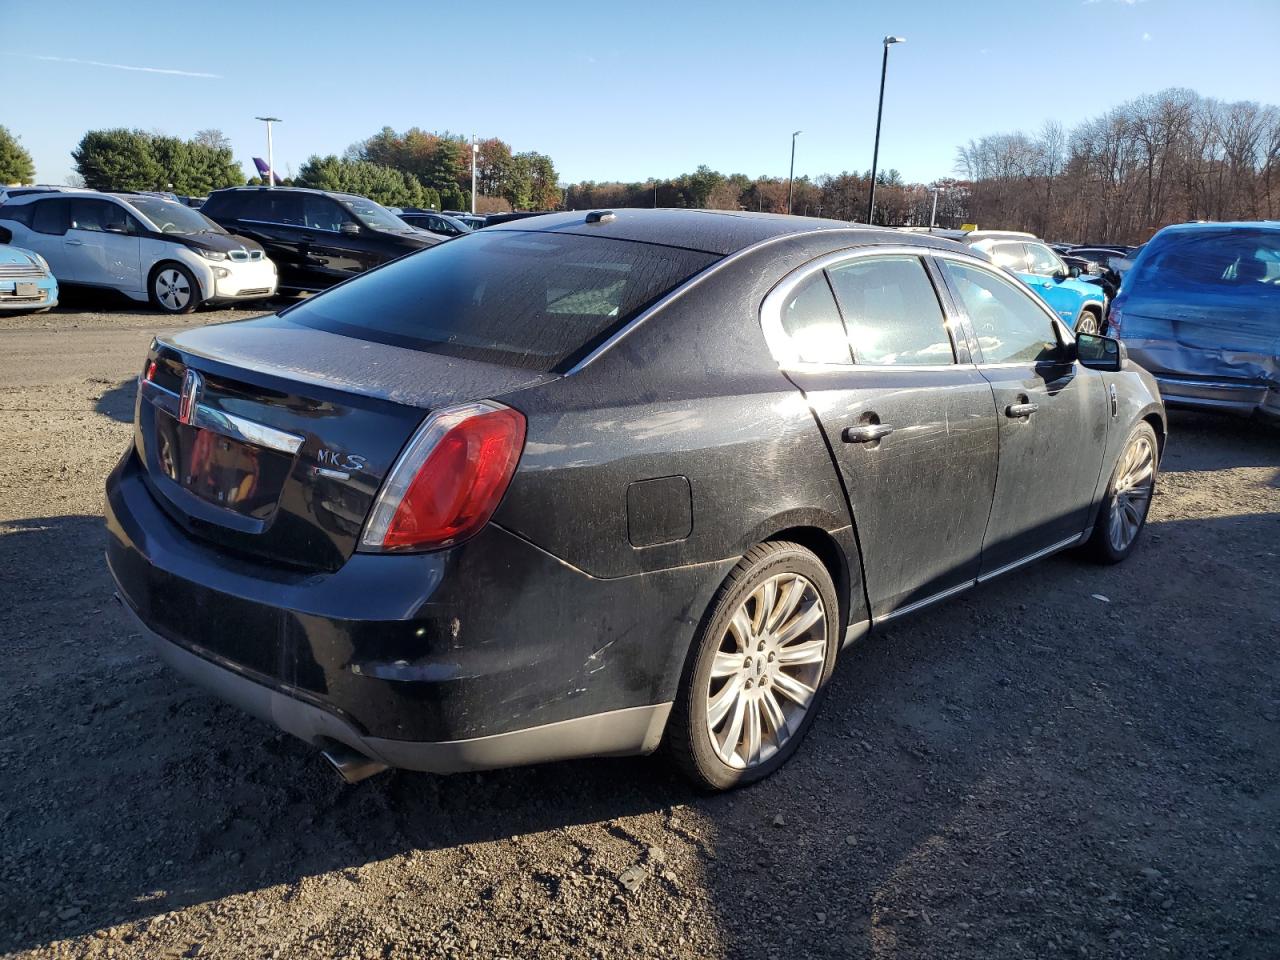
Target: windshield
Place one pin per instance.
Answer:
(171, 217)
(372, 214)
(532, 300)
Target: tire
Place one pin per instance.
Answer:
(1119, 527)
(1088, 322)
(780, 685)
(165, 287)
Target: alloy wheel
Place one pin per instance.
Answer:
(766, 670)
(1135, 482)
(172, 289)
(1088, 323)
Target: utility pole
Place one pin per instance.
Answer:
(791, 177)
(474, 151)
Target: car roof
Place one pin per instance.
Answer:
(1265, 226)
(324, 193)
(710, 231)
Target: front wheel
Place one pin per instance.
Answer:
(1088, 323)
(174, 289)
(758, 670)
(1124, 512)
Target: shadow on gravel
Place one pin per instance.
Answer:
(117, 403)
(1003, 768)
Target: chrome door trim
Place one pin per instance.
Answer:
(1038, 555)
(220, 422)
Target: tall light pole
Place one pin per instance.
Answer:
(933, 217)
(791, 177)
(875, 156)
(271, 159)
(474, 151)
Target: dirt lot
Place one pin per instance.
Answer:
(1027, 771)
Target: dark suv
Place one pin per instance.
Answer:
(315, 237)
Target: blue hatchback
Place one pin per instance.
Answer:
(26, 284)
(1081, 303)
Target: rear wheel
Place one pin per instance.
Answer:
(173, 289)
(1124, 512)
(758, 670)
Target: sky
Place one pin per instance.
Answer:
(618, 90)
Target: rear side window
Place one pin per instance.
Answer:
(812, 323)
(892, 312)
(1244, 262)
(1010, 325)
(17, 212)
(50, 216)
(532, 300)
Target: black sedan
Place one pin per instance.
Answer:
(588, 484)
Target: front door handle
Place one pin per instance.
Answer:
(74, 243)
(866, 433)
(1017, 410)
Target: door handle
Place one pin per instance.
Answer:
(74, 243)
(866, 433)
(1016, 410)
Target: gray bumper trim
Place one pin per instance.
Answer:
(627, 732)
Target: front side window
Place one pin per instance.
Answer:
(1044, 262)
(321, 213)
(50, 216)
(812, 323)
(100, 216)
(1010, 325)
(892, 312)
(531, 300)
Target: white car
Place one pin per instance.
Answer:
(147, 248)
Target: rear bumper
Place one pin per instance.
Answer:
(430, 661)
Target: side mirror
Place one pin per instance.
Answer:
(350, 229)
(1073, 272)
(1100, 353)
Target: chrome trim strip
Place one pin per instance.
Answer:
(227, 424)
(1039, 554)
(912, 607)
(1211, 384)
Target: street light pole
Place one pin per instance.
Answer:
(875, 156)
(933, 217)
(474, 151)
(791, 177)
(271, 159)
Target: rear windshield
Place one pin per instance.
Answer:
(522, 299)
(1245, 262)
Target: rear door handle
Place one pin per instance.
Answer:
(74, 243)
(1016, 410)
(866, 433)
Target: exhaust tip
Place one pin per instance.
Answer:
(351, 765)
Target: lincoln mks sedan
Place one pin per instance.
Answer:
(592, 484)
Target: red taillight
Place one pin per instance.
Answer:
(1113, 319)
(150, 373)
(449, 480)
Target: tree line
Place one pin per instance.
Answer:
(1160, 159)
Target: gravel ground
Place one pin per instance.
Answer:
(1030, 770)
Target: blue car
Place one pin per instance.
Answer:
(1200, 309)
(26, 283)
(1081, 303)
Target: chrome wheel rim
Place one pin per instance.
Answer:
(172, 289)
(1087, 323)
(766, 670)
(1135, 482)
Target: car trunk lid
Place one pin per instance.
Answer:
(271, 439)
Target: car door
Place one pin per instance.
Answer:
(333, 256)
(103, 245)
(908, 418)
(48, 226)
(1046, 277)
(274, 219)
(1052, 412)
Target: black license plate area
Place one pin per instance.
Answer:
(220, 470)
